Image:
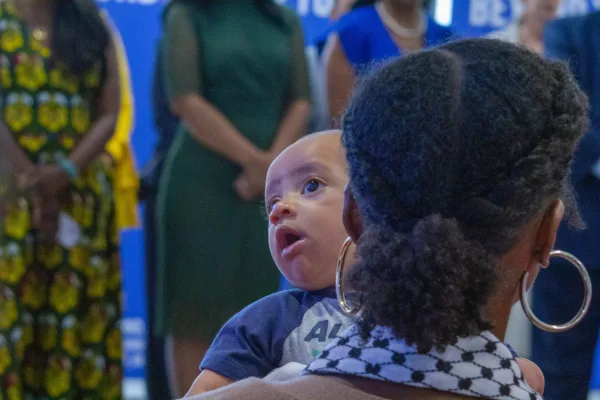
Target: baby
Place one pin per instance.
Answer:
(304, 197)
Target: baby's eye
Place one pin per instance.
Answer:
(312, 185)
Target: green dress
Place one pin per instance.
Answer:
(214, 257)
(60, 304)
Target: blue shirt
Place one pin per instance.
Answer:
(293, 325)
(365, 39)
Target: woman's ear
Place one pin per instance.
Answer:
(546, 236)
(351, 216)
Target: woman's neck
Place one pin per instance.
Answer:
(500, 322)
(498, 309)
(406, 15)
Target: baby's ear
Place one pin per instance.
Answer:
(533, 375)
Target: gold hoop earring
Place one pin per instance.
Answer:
(339, 289)
(585, 306)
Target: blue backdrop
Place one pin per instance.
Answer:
(139, 24)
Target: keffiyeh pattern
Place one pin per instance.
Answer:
(477, 366)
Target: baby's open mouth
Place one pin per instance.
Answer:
(289, 241)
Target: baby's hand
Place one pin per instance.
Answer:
(533, 374)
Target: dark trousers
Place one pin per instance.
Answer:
(156, 375)
(566, 358)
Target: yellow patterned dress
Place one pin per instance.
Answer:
(59, 305)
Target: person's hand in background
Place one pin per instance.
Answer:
(49, 212)
(244, 189)
(52, 181)
(251, 182)
(44, 200)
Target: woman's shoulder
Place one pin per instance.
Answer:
(358, 19)
(355, 28)
(353, 23)
(307, 387)
(249, 389)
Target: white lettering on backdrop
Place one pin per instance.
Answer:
(487, 13)
(573, 7)
(318, 8)
(493, 13)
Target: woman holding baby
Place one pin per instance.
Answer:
(457, 187)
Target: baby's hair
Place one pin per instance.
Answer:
(452, 151)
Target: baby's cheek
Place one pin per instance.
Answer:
(272, 244)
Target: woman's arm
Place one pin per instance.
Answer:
(207, 381)
(54, 179)
(340, 79)
(18, 160)
(212, 129)
(103, 127)
(293, 124)
(206, 123)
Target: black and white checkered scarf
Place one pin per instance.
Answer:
(477, 366)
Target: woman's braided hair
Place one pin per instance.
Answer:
(452, 152)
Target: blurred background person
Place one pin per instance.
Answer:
(319, 118)
(528, 29)
(236, 75)
(165, 123)
(372, 32)
(566, 358)
(60, 283)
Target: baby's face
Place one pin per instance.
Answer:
(304, 197)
